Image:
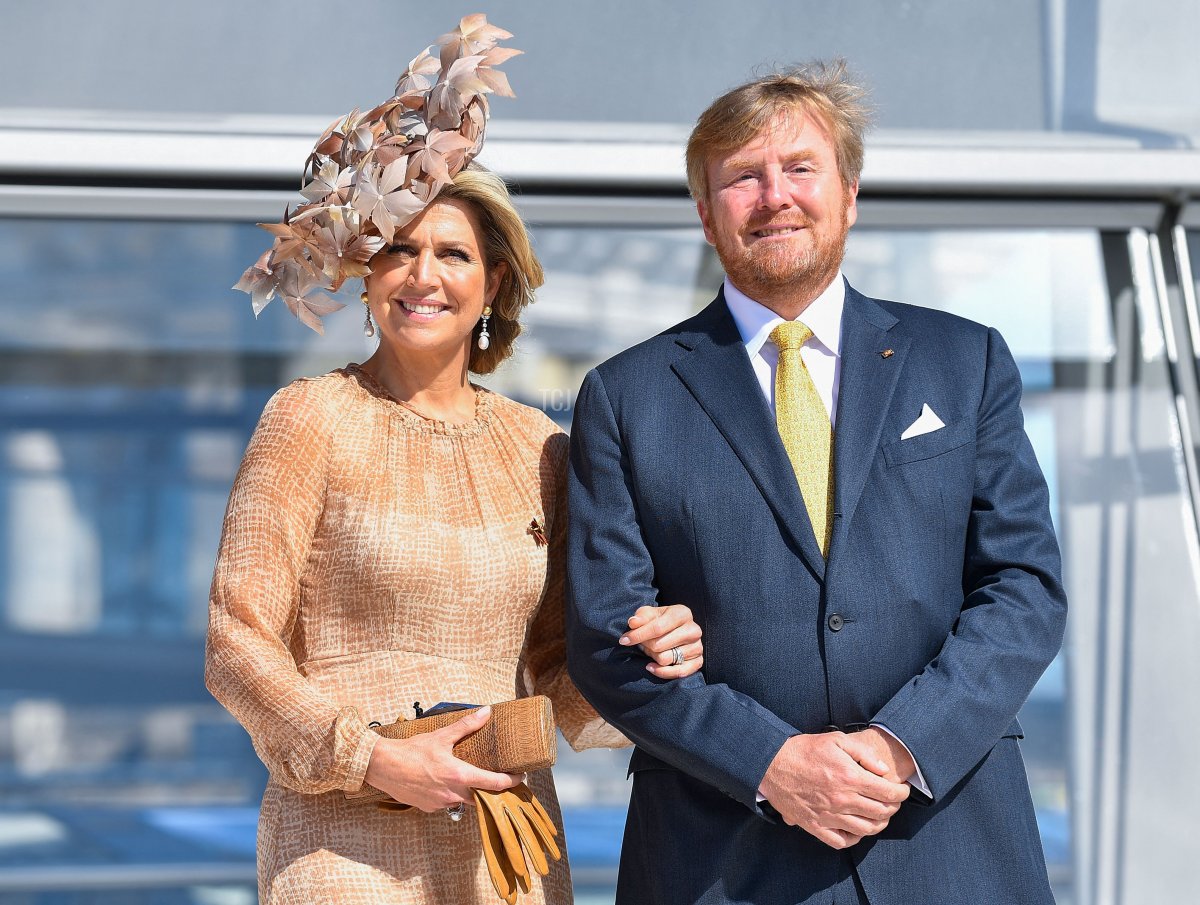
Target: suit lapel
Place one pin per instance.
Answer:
(718, 373)
(872, 356)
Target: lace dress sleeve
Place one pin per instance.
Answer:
(309, 743)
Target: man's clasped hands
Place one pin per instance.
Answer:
(839, 787)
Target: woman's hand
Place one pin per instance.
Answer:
(422, 771)
(659, 631)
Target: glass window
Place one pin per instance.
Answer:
(1080, 312)
(606, 289)
(1046, 292)
(132, 377)
(1193, 254)
(130, 382)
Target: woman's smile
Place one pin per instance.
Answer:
(423, 309)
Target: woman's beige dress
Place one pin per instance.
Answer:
(371, 558)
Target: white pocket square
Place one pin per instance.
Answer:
(927, 422)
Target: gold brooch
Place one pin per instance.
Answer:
(887, 353)
(538, 532)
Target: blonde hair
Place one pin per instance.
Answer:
(505, 242)
(821, 90)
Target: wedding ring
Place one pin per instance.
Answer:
(455, 812)
(676, 656)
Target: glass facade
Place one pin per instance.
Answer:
(131, 379)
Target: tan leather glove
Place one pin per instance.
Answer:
(517, 835)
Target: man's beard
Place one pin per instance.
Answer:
(766, 272)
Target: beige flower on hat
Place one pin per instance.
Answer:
(371, 173)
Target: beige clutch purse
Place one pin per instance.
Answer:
(520, 737)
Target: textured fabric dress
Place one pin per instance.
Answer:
(370, 558)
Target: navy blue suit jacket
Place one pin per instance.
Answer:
(943, 571)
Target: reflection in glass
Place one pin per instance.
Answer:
(1082, 320)
(132, 377)
(606, 289)
(1046, 293)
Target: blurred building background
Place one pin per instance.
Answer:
(1034, 168)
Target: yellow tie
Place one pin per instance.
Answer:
(804, 426)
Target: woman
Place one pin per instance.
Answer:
(396, 534)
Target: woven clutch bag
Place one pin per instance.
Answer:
(519, 737)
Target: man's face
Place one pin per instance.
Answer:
(777, 211)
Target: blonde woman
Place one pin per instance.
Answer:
(397, 534)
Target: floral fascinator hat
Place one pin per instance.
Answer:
(371, 173)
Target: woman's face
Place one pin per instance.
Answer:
(427, 290)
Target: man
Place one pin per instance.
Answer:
(843, 491)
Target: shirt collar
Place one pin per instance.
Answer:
(823, 316)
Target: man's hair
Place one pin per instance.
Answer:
(824, 91)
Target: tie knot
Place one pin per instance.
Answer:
(790, 336)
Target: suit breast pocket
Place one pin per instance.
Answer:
(930, 445)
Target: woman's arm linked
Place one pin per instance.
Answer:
(423, 772)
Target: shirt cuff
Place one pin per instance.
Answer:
(917, 781)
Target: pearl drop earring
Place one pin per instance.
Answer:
(368, 326)
(484, 340)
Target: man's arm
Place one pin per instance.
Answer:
(711, 732)
(1014, 607)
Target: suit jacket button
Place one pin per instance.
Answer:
(836, 622)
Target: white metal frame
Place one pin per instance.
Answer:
(272, 149)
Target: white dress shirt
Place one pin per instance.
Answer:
(822, 356)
